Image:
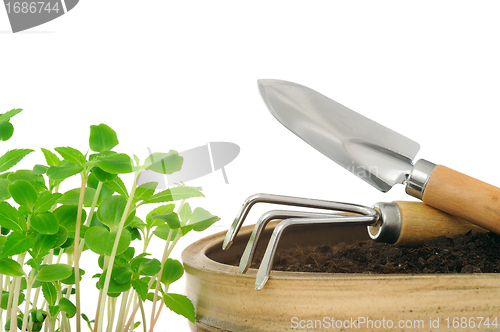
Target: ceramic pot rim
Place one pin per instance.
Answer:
(195, 257)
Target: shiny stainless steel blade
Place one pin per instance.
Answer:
(377, 154)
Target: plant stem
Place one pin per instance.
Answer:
(92, 210)
(159, 312)
(130, 301)
(161, 307)
(131, 319)
(113, 251)
(166, 253)
(37, 293)
(121, 313)
(174, 242)
(111, 313)
(76, 251)
(143, 314)
(97, 311)
(28, 297)
(15, 299)
(11, 296)
(1, 310)
(158, 277)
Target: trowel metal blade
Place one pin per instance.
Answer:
(377, 154)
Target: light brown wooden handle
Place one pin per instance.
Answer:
(465, 197)
(420, 223)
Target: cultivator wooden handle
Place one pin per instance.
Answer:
(416, 224)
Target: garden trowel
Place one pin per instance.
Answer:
(379, 155)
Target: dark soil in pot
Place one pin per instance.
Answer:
(469, 253)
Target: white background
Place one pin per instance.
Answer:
(178, 74)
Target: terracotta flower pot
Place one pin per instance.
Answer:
(227, 301)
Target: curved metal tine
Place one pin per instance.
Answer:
(267, 261)
(246, 258)
(284, 200)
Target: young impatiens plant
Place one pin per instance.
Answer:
(45, 233)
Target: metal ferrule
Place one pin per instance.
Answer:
(388, 228)
(419, 176)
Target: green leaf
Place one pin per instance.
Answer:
(201, 219)
(171, 218)
(162, 209)
(118, 163)
(54, 272)
(149, 267)
(6, 130)
(71, 279)
(4, 189)
(19, 321)
(102, 138)
(172, 271)
(111, 210)
(181, 305)
(101, 241)
(165, 163)
(71, 197)
(46, 201)
(27, 175)
(9, 114)
(51, 158)
(174, 194)
(89, 322)
(127, 255)
(117, 185)
(145, 191)
(40, 169)
(10, 267)
(8, 217)
(137, 223)
(23, 193)
(145, 266)
(53, 310)
(64, 171)
(162, 232)
(12, 157)
(121, 274)
(5, 299)
(72, 155)
(45, 223)
(16, 243)
(141, 287)
(102, 175)
(185, 213)
(66, 215)
(43, 243)
(68, 307)
(62, 236)
(114, 287)
(49, 292)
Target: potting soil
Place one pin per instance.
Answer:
(469, 253)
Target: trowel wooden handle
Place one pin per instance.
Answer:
(464, 196)
(420, 223)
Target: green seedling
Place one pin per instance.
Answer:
(46, 233)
